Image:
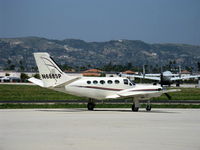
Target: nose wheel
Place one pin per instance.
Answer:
(148, 107)
(136, 105)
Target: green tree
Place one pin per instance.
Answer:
(102, 74)
(8, 61)
(7, 74)
(24, 77)
(36, 76)
(12, 67)
(198, 66)
(21, 65)
(66, 67)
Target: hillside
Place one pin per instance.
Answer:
(18, 51)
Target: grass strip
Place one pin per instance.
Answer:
(32, 106)
(28, 92)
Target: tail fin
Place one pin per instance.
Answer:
(50, 73)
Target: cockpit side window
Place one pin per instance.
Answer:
(126, 81)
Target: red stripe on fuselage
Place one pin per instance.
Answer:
(112, 89)
(101, 88)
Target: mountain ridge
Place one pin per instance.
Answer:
(76, 52)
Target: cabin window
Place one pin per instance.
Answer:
(109, 81)
(125, 81)
(116, 81)
(88, 82)
(95, 81)
(130, 84)
(102, 81)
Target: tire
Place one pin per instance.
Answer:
(148, 108)
(90, 106)
(135, 108)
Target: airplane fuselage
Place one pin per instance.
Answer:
(104, 87)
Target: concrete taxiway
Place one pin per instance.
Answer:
(117, 129)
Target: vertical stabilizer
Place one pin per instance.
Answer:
(50, 73)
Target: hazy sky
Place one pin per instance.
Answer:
(153, 21)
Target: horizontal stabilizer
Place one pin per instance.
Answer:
(36, 81)
(183, 78)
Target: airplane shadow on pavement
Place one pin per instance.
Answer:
(106, 110)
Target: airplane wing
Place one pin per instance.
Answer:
(142, 94)
(153, 75)
(157, 78)
(152, 78)
(147, 77)
(182, 78)
(113, 96)
(125, 93)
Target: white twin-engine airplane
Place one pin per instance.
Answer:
(93, 88)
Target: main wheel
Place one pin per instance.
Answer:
(148, 108)
(90, 106)
(134, 108)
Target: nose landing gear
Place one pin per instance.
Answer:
(136, 105)
(148, 107)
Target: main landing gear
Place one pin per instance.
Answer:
(136, 105)
(91, 104)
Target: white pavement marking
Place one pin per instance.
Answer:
(117, 129)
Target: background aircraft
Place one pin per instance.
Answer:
(9, 79)
(4, 79)
(54, 78)
(164, 78)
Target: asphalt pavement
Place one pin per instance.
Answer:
(102, 129)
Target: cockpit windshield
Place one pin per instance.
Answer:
(129, 82)
(132, 82)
